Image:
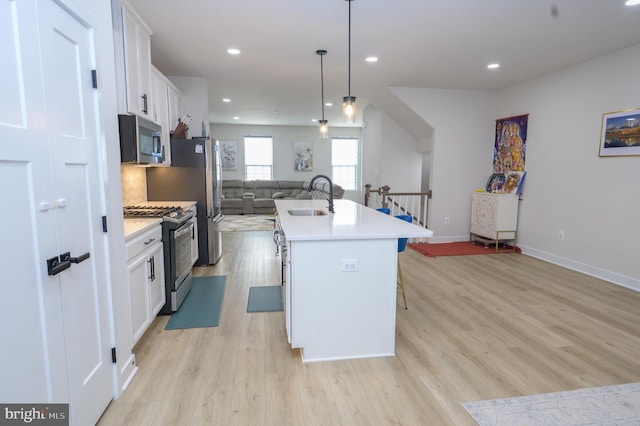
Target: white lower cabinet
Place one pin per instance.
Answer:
(145, 267)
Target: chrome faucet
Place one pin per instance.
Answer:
(330, 189)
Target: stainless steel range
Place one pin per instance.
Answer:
(177, 232)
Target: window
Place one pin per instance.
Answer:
(258, 157)
(344, 163)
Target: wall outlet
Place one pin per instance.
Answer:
(561, 235)
(447, 220)
(349, 265)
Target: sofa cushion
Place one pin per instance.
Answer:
(279, 195)
(259, 203)
(233, 188)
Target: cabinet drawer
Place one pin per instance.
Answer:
(144, 241)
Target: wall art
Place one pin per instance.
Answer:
(229, 154)
(620, 133)
(302, 156)
(510, 144)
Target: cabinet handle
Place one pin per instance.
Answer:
(146, 243)
(144, 103)
(152, 267)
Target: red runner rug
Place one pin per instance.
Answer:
(462, 248)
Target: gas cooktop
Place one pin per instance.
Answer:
(173, 214)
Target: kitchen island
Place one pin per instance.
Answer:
(340, 278)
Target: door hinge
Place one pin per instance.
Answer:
(94, 79)
(104, 224)
(113, 355)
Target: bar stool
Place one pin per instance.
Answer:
(402, 245)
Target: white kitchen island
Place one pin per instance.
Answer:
(341, 277)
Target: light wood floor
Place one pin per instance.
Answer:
(477, 328)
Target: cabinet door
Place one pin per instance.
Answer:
(55, 326)
(138, 271)
(160, 110)
(176, 106)
(156, 281)
(137, 52)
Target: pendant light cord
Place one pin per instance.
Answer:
(322, 85)
(349, 77)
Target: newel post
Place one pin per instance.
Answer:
(385, 192)
(367, 194)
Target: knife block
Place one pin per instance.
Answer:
(180, 132)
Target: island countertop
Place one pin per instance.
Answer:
(350, 221)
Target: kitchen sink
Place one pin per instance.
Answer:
(307, 212)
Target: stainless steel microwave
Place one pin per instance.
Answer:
(140, 140)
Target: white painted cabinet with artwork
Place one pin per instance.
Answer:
(494, 216)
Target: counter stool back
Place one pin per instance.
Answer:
(402, 245)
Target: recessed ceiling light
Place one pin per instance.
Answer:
(632, 2)
(493, 66)
(328, 104)
(372, 59)
(226, 100)
(233, 51)
(314, 120)
(236, 118)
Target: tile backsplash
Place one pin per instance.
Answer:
(134, 184)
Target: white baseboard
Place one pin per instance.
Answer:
(612, 277)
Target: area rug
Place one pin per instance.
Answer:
(609, 405)
(247, 222)
(265, 299)
(462, 248)
(202, 306)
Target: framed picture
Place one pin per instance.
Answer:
(302, 156)
(229, 155)
(620, 133)
(495, 182)
(513, 182)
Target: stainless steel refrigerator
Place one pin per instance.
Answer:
(194, 175)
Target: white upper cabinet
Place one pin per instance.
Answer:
(137, 59)
(176, 106)
(160, 109)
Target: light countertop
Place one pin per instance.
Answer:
(135, 227)
(350, 221)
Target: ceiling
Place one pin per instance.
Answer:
(420, 43)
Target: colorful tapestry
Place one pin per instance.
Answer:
(510, 144)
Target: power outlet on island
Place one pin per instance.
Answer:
(349, 265)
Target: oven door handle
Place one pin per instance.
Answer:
(183, 229)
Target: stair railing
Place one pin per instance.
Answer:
(415, 204)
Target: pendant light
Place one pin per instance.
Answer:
(324, 125)
(349, 102)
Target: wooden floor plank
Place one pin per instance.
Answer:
(477, 327)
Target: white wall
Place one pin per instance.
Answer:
(595, 201)
(463, 123)
(284, 138)
(390, 154)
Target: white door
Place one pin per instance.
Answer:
(50, 173)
